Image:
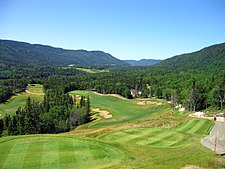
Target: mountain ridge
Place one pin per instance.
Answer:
(206, 58)
(23, 53)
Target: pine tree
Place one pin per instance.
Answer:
(1, 126)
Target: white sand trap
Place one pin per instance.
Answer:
(118, 96)
(102, 113)
(149, 103)
(191, 167)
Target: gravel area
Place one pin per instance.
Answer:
(216, 139)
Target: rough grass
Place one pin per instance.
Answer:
(56, 151)
(19, 100)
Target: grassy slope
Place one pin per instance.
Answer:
(136, 137)
(19, 100)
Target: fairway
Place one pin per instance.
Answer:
(122, 110)
(56, 151)
(19, 100)
(153, 137)
(198, 126)
(35, 88)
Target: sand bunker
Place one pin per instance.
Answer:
(118, 96)
(149, 103)
(102, 113)
(114, 95)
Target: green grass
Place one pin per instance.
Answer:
(19, 100)
(56, 151)
(152, 137)
(135, 137)
(198, 126)
(122, 110)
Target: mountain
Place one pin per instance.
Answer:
(143, 62)
(24, 54)
(212, 57)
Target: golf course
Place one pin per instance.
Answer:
(135, 135)
(19, 100)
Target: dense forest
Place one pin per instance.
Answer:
(58, 113)
(194, 88)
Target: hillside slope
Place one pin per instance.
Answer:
(207, 58)
(24, 54)
(143, 62)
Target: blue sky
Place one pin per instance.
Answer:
(127, 29)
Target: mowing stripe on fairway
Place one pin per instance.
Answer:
(67, 156)
(57, 151)
(168, 141)
(15, 157)
(154, 139)
(198, 126)
(50, 156)
(146, 137)
(130, 134)
(188, 126)
(32, 158)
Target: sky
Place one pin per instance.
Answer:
(127, 29)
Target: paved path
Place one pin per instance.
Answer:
(216, 139)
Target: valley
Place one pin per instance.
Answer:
(107, 116)
(148, 136)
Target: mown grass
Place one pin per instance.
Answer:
(136, 136)
(198, 126)
(19, 100)
(152, 137)
(56, 151)
(122, 110)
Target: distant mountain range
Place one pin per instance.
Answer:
(24, 54)
(143, 62)
(20, 54)
(212, 57)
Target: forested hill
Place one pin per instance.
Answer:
(207, 58)
(143, 62)
(15, 53)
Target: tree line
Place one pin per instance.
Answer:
(194, 89)
(59, 112)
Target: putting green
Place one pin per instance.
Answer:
(56, 151)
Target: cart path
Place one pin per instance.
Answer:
(216, 139)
